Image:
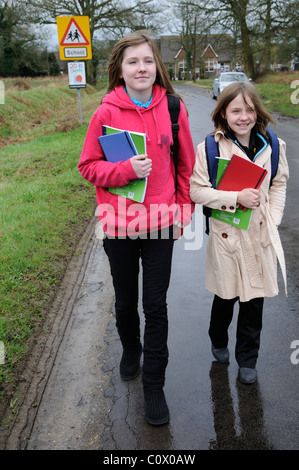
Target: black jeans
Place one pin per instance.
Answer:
(156, 256)
(249, 327)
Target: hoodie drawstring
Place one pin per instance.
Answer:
(158, 133)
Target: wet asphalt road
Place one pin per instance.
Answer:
(85, 405)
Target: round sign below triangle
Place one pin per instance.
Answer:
(73, 35)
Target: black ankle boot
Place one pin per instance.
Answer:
(156, 409)
(130, 363)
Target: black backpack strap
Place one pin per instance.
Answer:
(174, 105)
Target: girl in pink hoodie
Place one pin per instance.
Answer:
(136, 101)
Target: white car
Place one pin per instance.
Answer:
(226, 78)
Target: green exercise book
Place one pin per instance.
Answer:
(138, 138)
(136, 189)
(239, 218)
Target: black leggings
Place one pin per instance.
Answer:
(249, 327)
(156, 257)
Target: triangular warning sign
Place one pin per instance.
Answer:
(74, 35)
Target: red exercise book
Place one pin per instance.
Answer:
(240, 174)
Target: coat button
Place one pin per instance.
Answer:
(224, 235)
(231, 208)
(223, 208)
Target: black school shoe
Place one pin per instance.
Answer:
(156, 409)
(129, 367)
(247, 375)
(220, 354)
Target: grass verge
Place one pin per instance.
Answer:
(35, 107)
(45, 206)
(277, 98)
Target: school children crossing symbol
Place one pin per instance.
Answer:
(74, 37)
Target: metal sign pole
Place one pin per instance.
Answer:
(80, 105)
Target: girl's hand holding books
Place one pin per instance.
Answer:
(249, 198)
(141, 165)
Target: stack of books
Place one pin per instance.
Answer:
(120, 145)
(234, 175)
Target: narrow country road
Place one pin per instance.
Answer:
(77, 400)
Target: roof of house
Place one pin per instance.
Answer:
(207, 48)
(220, 44)
(170, 46)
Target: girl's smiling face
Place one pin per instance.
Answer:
(241, 118)
(138, 71)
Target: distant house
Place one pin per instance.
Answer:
(170, 47)
(212, 54)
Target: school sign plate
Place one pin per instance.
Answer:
(74, 37)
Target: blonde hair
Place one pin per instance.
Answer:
(263, 117)
(116, 58)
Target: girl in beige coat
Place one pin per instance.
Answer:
(242, 264)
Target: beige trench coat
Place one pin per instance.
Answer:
(243, 263)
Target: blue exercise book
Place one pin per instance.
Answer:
(118, 147)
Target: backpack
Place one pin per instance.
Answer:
(174, 105)
(212, 153)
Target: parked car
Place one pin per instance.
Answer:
(226, 78)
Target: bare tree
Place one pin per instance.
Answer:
(256, 25)
(220, 16)
(189, 22)
(112, 16)
(276, 21)
(20, 49)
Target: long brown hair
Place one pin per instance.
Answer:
(263, 117)
(116, 58)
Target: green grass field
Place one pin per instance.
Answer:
(45, 205)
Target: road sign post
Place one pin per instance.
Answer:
(80, 105)
(77, 79)
(75, 44)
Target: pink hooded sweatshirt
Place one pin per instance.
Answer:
(162, 205)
